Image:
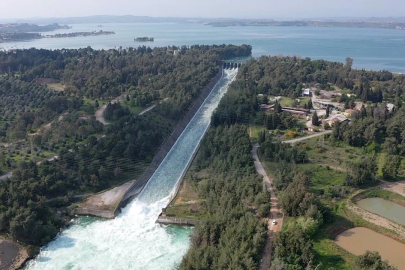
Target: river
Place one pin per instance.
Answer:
(384, 208)
(371, 48)
(133, 240)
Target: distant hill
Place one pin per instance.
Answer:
(101, 19)
(147, 19)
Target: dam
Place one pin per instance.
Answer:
(133, 240)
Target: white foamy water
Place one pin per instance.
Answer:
(133, 240)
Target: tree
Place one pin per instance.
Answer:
(327, 111)
(348, 63)
(391, 166)
(277, 107)
(315, 119)
(309, 104)
(371, 260)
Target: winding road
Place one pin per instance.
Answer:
(100, 112)
(276, 212)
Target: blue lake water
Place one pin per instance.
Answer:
(374, 49)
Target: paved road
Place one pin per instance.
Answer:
(147, 109)
(308, 137)
(6, 175)
(276, 212)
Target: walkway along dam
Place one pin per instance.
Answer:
(133, 240)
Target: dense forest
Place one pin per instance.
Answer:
(233, 236)
(374, 129)
(90, 156)
(286, 76)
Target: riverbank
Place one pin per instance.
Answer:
(12, 255)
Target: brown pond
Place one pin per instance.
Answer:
(359, 240)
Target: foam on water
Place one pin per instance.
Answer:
(133, 240)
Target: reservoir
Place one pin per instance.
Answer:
(133, 240)
(370, 48)
(384, 208)
(359, 240)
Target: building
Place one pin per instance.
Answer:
(266, 107)
(337, 118)
(349, 112)
(306, 92)
(390, 107)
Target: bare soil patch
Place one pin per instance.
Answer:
(396, 187)
(12, 256)
(107, 200)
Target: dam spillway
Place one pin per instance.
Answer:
(133, 240)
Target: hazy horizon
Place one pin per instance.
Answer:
(261, 9)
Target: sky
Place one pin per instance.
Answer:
(264, 9)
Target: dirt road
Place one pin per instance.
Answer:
(276, 212)
(6, 175)
(308, 137)
(100, 112)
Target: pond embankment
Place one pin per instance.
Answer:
(108, 204)
(362, 217)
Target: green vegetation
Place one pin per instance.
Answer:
(372, 260)
(231, 236)
(90, 157)
(310, 193)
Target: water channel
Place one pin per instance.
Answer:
(359, 240)
(133, 240)
(384, 208)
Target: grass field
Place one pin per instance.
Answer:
(187, 204)
(322, 176)
(327, 252)
(56, 86)
(320, 150)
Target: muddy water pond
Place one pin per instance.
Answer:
(359, 240)
(384, 208)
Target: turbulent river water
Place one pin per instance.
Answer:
(133, 240)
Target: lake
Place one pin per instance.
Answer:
(374, 49)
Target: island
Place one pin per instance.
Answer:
(28, 27)
(307, 23)
(80, 34)
(7, 37)
(143, 39)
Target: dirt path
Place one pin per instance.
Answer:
(396, 187)
(100, 112)
(308, 137)
(47, 126)
(275, 212)
(6, 175)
